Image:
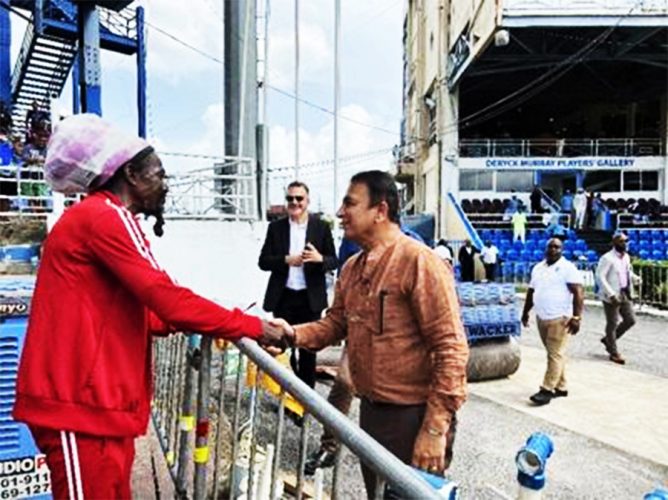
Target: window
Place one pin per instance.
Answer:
(641, 181)
(603, 180)
(520, 181)
(475, 180)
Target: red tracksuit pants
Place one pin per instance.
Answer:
(86, 466)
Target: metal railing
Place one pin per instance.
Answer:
(226, 191)
(199, 194)
(627, 220)
(503, 220)
(480, 148)
(122, 23)
(653, 287)
(211, 456)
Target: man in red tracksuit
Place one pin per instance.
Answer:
(84, 384)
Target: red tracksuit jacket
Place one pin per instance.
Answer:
(99, 297)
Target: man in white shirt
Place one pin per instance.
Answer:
(615, 277)
(490, 256)
(556, 293)
(580, 208)
(299, 251)
(519, 223)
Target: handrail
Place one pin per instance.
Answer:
(473, 234)
(383, 462)
(552, 205)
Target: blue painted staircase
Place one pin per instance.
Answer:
(49, 49)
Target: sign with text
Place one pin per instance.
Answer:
(578, 163)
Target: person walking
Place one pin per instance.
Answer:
(299, 251)
(396, 305)
(557, 294)
(615, 278)
(85, 381)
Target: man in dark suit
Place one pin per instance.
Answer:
(298, 250)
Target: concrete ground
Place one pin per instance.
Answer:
(610, 433)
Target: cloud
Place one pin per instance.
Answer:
(316, 149)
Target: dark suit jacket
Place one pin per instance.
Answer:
(272, 258)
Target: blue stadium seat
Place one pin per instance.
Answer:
(657, 254)
(538, 255)
(644, 245)
(645, 236)
(580, 245)
(526, 255)
(568, 254)
(512, 255)
(569, 245)
(542, 243)
(591, 255)
(577, 254)
(643, 254)
(530, 245)
(518, 245)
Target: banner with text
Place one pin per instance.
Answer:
(579, 163)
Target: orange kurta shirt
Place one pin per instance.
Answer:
(398, 308)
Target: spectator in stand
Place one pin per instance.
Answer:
(567, 202)
(598, 210)
(556, 292)
(7, 175)
(615, 278)
(34, 118)
(514, 204)
(555, 229)
(536, 199)
(32, 173)
(580, 208)
(490, 256)
(519, 223)
(467, 261)
(444, 251)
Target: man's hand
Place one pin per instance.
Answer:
(573, 326)
(429, 452)
(294, 260)
(525, 320)
(311, 254)
(615, 300)
(272, 335)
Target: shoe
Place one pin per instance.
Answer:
(542, 397)
(320, 459)
(558, 393)
(616, 358)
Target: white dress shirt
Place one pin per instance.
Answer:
(296, 279)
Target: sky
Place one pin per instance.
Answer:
(185, 88)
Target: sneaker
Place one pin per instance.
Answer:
(616, 358)
(320, 459)
(542, 397)
(558, 393)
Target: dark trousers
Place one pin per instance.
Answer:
(396, 427)
(294, 308)
(614, 329)
(490, 271)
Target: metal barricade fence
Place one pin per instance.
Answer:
(653, 287)
(197, 388)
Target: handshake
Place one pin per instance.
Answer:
(276, 333)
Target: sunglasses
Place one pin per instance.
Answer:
(290, 199)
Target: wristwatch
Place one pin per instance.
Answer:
(576, 318)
